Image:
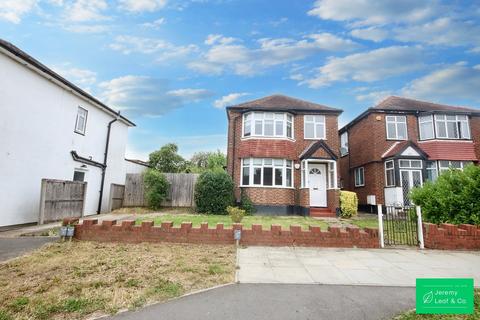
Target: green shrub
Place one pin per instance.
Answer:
(156, 188)
(214, 192)
(452, 198)
(236, 214)
(348, 204)
(247, 204)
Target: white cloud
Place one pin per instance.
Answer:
(365, 12)
(13, 10)
(87, 28)
(372, 33)
(228, 100)
(142, 5)
(227, 54)
(86, 11)
(458, 81)
(369, 66)
(141, 95)
(84, 78)
(154, 24)
(373, 96)
(162, 49)
(442, 31)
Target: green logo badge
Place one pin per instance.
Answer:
(444, 296)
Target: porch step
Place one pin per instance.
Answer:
(321, 212)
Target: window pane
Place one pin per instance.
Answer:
(267, 162)
(416, 163)
(257, 175)
(248, 129)
(320, 133)
(289, 163)
(452, 131)
(278, 162)
(308, 118)
(258, 127)
(246, 161)
(279, 116)
(309, 131)
(289, 129)
(289, 177)
(431, 164)
(267, 176)
(389, 164)
(426, 130)
(246, 176)
(289, 117)
(390, 177)
(79, 176)
(269, 127)
(465, 130)
(391, 132)
(278, 176)
(257, 161)
(279, 128)
(401, 131)
(455, 164)
(268, 115)
(404, 164)
(451, 118)
(441, 130)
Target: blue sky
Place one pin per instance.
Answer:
(173, 66)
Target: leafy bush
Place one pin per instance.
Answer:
(156, 188)
(247, 204)
(348, 204)
(236, 214)
(452, 198)
(214, 192)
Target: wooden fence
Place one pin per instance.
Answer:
(182, 187)
(61, 199)
(117, 193)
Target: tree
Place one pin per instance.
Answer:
(167, 159)
(156, 187)
(202, 161)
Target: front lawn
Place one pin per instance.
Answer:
(411, 315)
(75, 280)
(265, 221)
(363, 221)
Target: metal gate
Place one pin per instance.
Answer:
(400, 226)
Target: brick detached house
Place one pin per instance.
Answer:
(282, 153)
(400, 143)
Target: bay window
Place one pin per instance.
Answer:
(452, 126)
(396, 127)
(432, 172)
(268, 124)
(267, 172)
(314, 127)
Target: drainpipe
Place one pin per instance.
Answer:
(105, 157)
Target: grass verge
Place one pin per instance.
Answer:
(80, 279)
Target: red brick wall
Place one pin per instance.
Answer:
(109, 231)
(451, 237)
(333, 199)
(239, 148)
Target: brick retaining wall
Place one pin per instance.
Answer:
(451, 237)
(127, 231)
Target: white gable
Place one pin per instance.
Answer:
(410, 152)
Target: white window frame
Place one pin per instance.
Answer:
(359, 173)
(458, 125)
(81, 170)
(268, 116)
(428, 119)
(82, 113)
(386, 173)
(442, 168)
(316, 119)
(332, 175)
(394, 119)
(267, 163)
(409, 165)
(434, 168)
(344, 144)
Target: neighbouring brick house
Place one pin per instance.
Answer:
(282, 153)
(400, 143)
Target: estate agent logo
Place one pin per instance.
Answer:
(444, 296)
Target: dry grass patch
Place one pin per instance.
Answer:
(75, 280)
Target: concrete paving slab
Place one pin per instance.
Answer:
(382, 267)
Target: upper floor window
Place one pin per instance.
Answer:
(396, 127)
(267, 172)
(359, 177)
(344, 143)
(314, 127)
(452, 126)
(81, 122)
(268, 124)
(425, 124)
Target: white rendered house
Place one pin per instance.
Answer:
(50, 128)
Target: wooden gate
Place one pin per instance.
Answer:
(61, 199)
(117, 193)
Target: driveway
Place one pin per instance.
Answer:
(14, 247)
(283, 302)
(378, 267)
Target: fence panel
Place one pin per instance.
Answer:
(117, 193)
(180, 194)
(61, 199)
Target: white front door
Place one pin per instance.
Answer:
(317, 182)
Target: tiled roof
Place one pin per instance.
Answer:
(314, 146)
(449, 150)
(279, 102)
(395, 149)
(405, 104)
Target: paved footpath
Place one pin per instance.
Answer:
(282, 302)
(14, 247)
(378, 267)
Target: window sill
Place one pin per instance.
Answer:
(266, 138)
(447, 139)
(391, 139)
(360, 186)
(267, 187)
(80, 133)
(315, 139)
